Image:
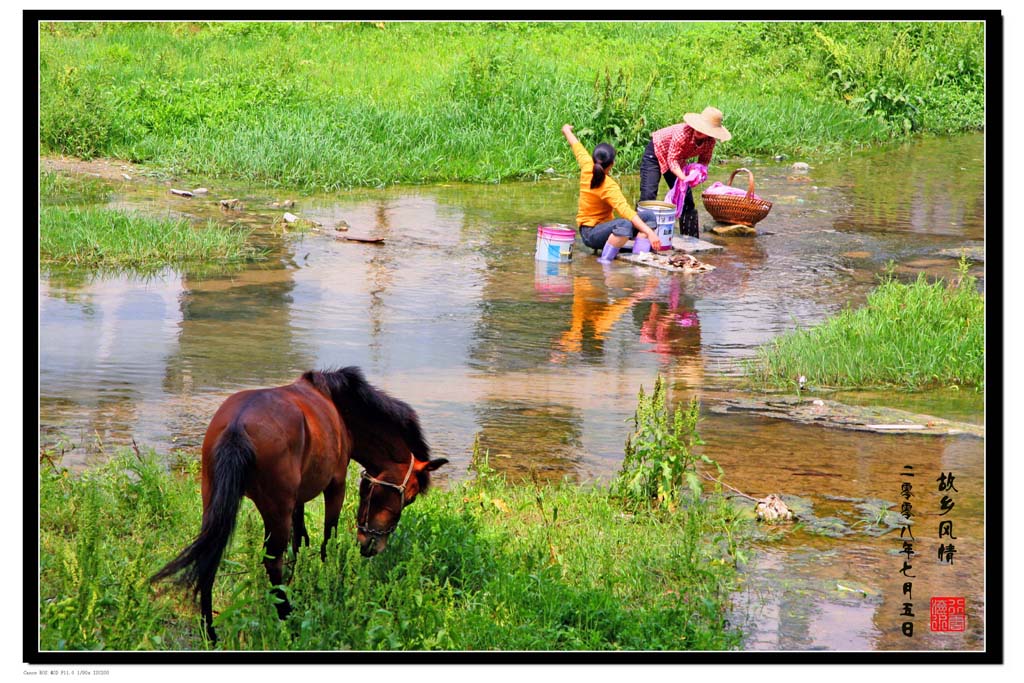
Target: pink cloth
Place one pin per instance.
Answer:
(721, 188)
(677, 195)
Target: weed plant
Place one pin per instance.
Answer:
(97, 237)
(908, 336)
(484, 565)
(660, 464)
(322, 106)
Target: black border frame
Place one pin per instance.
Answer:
(994, 465)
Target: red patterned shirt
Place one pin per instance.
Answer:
(675, 144)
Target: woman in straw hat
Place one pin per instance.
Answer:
(668, 151)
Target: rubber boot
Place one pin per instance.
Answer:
(608, 254)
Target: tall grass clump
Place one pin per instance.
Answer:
(660, 463)
(97, 237)
(485, 564)
(909, 336)
(327, 105)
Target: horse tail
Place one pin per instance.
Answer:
(233, 457)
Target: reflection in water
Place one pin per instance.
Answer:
(593, 316)
(104, 343)
(453, 315)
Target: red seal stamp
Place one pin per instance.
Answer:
(948, 614)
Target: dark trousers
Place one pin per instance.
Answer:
(650, 178)
(595, 236)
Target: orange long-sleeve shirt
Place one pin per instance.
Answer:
(597, 205)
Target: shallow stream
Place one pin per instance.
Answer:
(543, 361)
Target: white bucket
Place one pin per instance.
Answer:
(554, 243)
(552, 280)
(665, 215)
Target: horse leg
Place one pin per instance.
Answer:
(276, 527)
(334, 496)
(299, 532)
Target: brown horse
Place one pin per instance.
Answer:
(282, 447)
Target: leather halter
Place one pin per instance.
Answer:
(363, 526)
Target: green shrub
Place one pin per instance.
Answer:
(660, 463)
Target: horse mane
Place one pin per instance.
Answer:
(356, 398)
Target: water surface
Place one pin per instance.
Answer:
(543, 361)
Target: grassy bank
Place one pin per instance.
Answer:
(331, 105)
(107, 238)
(94, 236)
(481, 565)
(910, 336)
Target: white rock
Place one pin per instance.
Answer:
(200, 190)
(290, 217)
(800, 166)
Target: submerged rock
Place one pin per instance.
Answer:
(734, 230)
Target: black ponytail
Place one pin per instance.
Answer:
(604, 156)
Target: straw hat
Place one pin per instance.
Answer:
(708, 122)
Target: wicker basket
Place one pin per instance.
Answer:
(734, 209)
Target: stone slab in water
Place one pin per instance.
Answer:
(841, 416)
(972, 253)
(692, 244)
(661, 261)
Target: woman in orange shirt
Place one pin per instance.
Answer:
(601, 198)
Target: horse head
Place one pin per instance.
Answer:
(388, 442)
(384, 495)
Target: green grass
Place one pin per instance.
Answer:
(481, 565)
(909, 336)
(323, 106)
(61, 189)
(97, 237)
